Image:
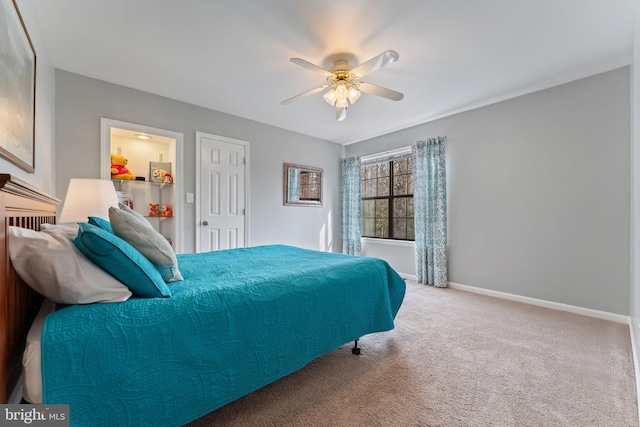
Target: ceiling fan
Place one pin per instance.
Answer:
(343, 82)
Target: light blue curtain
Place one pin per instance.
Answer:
(294, 185)
(430, 211)
(351, 208)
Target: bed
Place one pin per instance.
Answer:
(239, 320)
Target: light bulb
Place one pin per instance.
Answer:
(341, 91)
(354, 94)
(330, 97)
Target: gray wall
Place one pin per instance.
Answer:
(43, 178)
(81, 102)
(635, 198)
(539, 192)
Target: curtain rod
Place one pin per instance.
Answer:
(385, 154)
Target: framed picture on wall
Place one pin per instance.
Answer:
(17, 88)
(160, 172)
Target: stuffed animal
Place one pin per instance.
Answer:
(166, 210)
(167, 178)
(118, 167)
(161, 175)
(153, 209)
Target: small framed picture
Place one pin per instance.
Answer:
(125, 198)
(160, 172)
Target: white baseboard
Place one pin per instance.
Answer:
(618, 318)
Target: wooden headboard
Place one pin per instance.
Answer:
(25, 206)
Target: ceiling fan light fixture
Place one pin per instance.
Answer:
(330, 97)
(342, 103)
(342, 93)
(353, 94)
(343, 86)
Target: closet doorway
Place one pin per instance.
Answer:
(155, 159)
(222, 191)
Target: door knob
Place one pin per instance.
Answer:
(205, 223)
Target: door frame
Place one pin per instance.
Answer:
(105, 163)
(200, 135)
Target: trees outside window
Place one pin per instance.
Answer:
(387, 199)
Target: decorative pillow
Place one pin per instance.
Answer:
(126, 208)
(142, 236)
(52, 265)
(100, 222)
(122, 261)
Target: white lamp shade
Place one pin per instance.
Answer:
(330, 97)
(341, 91)
(88, 197)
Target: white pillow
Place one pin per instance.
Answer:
(51, 264)
(141, 235)
(71, 230)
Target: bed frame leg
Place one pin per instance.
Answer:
(355, 349)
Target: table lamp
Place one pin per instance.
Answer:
(88, 197)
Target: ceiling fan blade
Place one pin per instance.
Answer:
(376, 63)
(309, 66)
(305, 94)
(341, 113)
(380, 91)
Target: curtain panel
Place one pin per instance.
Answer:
(430, 211)
(351, 206)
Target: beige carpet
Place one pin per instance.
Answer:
(458, 359)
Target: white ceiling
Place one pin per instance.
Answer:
(233, 55)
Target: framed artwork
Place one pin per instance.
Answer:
(160, 172)
(17, 88)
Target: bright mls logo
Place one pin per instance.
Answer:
(34, 415)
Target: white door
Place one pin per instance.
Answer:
(222, 193)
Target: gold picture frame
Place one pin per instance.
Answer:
(17, 89)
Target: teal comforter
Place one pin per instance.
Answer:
(241, 319)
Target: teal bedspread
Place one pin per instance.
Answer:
(241, 319)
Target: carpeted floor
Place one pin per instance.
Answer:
(458, 359)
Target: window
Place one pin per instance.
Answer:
(387, 199)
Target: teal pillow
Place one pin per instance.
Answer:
(102, 223)
(121, 260)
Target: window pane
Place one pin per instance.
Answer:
(390, 196)
(400, 185)
(370, 171)
(383, 187)
(400, 208)
(368, 227)
(382, 208)
(402, 217)
(399, 228)
(382, 228)
(368, 208)
(369, 188)
(383, 169)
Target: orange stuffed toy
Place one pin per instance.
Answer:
(153, 209)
